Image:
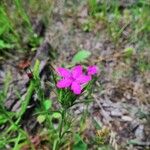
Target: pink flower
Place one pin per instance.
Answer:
(73, 79)
(92, 70)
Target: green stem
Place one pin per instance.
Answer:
(61, 134)
(55, 144)
(63, 114)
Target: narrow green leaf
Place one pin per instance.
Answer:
(134, 142)
(3, 119)
(36, 69)
(26, 101)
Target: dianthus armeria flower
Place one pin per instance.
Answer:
(92, 70)
(74, 79)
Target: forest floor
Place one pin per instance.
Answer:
(121, 97)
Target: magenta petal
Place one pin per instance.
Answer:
(76, 88)
(63, 72)
(64, 83)
(77, 71)
(82, 79)
(92, 70)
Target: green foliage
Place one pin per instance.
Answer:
(16, 30)
(93, 7)
(3, 119)
(23, 14)
(88, 25)
(140, 22)
(79, 143)
(36, 70)
(128, 52)
(143, 64)
(4, 22)
(31, 89)
(58, 123)
(136, 17)
(8, 34)
(43, 7)
(66, 97)
(4, 45)
(81, 56)
(41, 118)
(56, 115)
(33, 39)
(47, 104)
(13, 119)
